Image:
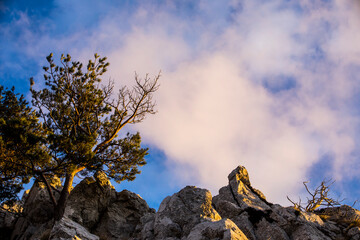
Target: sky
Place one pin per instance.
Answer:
(271, 85)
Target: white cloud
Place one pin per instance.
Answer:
(214, 111)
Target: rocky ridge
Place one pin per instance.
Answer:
(96, 211)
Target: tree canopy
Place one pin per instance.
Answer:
(74, 129)
(22, 141)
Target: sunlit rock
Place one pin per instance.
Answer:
(224, 229)
(179, 213)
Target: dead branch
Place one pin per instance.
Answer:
(318, 198)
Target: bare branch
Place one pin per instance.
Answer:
(319, 198)
(132, 106)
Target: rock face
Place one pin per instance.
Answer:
(95, 205)
(8, 219)
(179, 213)
(38, 210)
(224, 229)
(122, 215)
(239, 212)
(259, 219)
(89, 199)
(240, 193)
(68, 229)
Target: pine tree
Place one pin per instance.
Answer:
(80, 125)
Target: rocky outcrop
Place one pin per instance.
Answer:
(122, 215)
(224, 229)
(96, 211)
(68, 229)
(95, 205)
(240, 193)
(179, 213)
(89, 200)
(258, 219)
(38, 210)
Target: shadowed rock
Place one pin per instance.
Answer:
(89, 199)
(121, 217)
(38, 210)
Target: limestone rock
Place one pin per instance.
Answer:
(228, 209)
(223, 229)
(122, 216)
(308, 232)
(95, 210)
(179, 213)
(245, 195)
(241, 193)
(311, 218)
(266, 230)
(145, 230)
(89, 199)
(283, 215)
(341, 215)
(240, 174)
(37, 210)
(37, 205)
(242, 203)
(245, 225)
(67, 229)
(353, 233)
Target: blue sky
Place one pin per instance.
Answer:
(271, 85)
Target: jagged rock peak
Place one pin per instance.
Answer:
(240, 174)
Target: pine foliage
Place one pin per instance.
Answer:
(75, 128)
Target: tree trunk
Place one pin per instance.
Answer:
(48, 187)
(64, 195)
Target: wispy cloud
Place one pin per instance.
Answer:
(272, 85)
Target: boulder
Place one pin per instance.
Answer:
(179, 213)
(66, 229)
(341, 215)
(89, 199)
(224, 229)
(121, 217)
